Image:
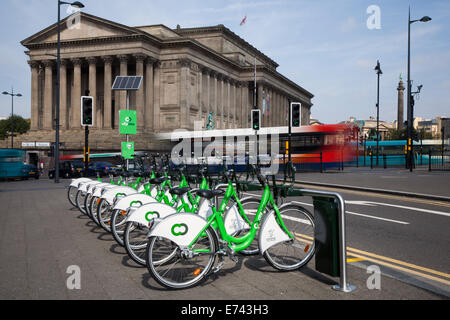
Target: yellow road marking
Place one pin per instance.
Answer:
(364, 255)
(355, 260)
(442, 274)
(401, 268)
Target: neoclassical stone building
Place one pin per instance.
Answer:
(187, 72)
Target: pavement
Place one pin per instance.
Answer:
(42, 237)
(421, 183)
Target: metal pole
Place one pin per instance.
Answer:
(290, 131)
(409, 108)
(128, 108)
(364, 146)
(12, 120)
(378, 114)
(443, 132)
(58, 76)
(86, 150)
(343, 285)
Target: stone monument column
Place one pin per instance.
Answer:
(63, 95)
(140, 58)
(34, 65)
(400, 106)
(123, 58)
(149, 94)
(107, 94)
(93, 90)
(48, 95)
(75, 122)
(157, 97)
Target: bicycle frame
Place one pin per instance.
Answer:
(240, 243)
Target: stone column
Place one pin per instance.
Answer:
(222, 101)
(207, 107)
(237, 112)
(244, 103)
(123, 58)
(215, 107)
(48, 96)
(140, 58)
(149, 94)
(63, 94)
(227, 102)
(157, 94)
(34, 65)
(107, 95)
(400, 107)
(260, 102)
(219, 114)
(200, 96)
(184, 93)
(75, 122)
(93, 90)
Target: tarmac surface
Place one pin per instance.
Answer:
(420, 181)
(42, 236)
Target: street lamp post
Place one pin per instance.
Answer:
(409, 108)
(75, 4)
(379, 72)
(12, 94)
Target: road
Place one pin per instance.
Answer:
(411, 231)
(42, 237)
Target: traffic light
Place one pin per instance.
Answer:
(295, 114)
(256, 120)
(87, 111)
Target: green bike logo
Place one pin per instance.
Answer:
(179, 229)
(151, 215)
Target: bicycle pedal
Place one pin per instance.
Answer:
(219, 265)
(234, 258)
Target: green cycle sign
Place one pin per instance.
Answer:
(128, 150)
(127, 121)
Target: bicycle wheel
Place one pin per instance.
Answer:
(93, 207)
(296, 252)
(79, 200)
(104, 215)
(118, 224)
(135, 241)
(174, 268)
(71, 195)
(250, 206)
(87, 205)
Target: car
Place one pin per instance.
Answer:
(101, 168)
(33, 171)
(68, 169)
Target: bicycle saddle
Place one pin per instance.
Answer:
(158, 180)
(179, 191)
(208, 194)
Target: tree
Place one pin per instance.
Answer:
(20, 126)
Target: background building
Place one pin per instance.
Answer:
(187, 72)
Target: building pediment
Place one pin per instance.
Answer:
(80, 26)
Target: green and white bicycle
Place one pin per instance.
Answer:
(182, 248)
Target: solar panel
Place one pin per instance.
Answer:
(127, 83)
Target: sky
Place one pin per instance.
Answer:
(329, 47)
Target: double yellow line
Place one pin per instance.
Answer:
(359, 255)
